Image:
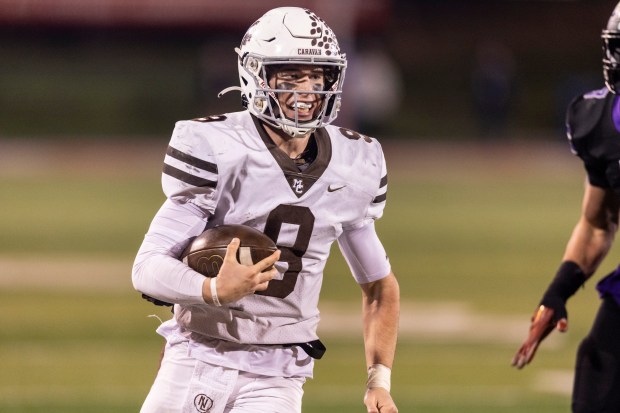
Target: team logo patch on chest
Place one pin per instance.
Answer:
(300, 184)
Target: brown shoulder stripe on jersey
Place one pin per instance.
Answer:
(381, 198)
(188, 178)
(191, 160)
(383, 182)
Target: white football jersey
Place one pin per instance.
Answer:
(228, 171)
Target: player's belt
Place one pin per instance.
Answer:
(314, 348)
(156, 301)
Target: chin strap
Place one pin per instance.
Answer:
(294, 132)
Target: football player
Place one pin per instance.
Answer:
(593, 128)
(246, 340)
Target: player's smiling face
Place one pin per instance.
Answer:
(302, 81)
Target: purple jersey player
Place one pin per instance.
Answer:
(593, 128)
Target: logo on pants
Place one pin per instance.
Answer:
(203, 403)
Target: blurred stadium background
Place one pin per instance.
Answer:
(466, 96)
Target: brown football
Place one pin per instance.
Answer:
(206, 252)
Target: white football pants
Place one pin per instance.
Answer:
(186, 385)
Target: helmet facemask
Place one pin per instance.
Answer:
(611, 51)
(611, 59)
(265, 104)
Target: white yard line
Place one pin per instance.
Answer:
(554, 381)
(66, 273)
(435, 320)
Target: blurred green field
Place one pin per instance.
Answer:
(474, 233)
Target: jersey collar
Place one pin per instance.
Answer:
(299, 182)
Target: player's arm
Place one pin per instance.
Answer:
(380, 311)
(157, 272)
(594, 233)
(369, 265)
(588, 245)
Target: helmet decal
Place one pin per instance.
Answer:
(326, 40)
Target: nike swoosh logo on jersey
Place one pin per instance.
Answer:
(333, 188)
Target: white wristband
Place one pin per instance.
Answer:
(214, 297)
(379, 376)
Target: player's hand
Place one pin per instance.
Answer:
(235, 280)
(544, 321)
(379, 400)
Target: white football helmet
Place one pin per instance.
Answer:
(285, 36)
